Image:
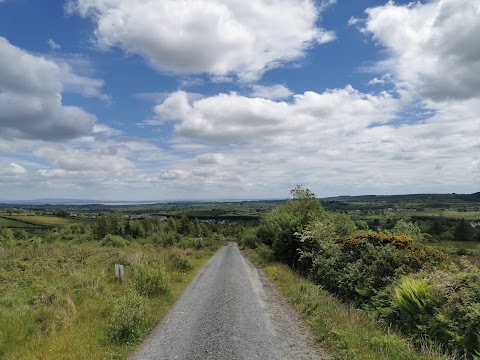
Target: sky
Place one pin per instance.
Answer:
(238, 99)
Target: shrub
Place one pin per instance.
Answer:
(249, 238)
(265, 252)
(457, 317)
(150, 280)
(413, 304)
(438, 307)
(128, 319)
(279, 227)
(114, 241)
(413, 295)
(360, 266)
(180, 262)
(171, 238)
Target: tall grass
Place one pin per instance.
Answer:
(62, 301)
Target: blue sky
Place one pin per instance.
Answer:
(177, 99)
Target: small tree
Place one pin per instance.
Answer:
(280, 226)
(463, 231)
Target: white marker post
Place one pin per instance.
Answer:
(119, 272)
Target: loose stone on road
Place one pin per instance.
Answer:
(230, 311)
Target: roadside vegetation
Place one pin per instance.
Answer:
(360, 269)
(60, 299)
(391, 274)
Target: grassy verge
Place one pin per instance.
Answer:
(57, 301)
(344, 332)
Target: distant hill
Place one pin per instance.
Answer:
(396, 198)
(60, 201)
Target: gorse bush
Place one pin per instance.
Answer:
(150, 280)
(128, 320)
(360, 266)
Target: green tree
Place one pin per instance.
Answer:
(101, 227)
(281, 226)
(463, 231)
(407, 228)
(185, 226)
(436, 229)
(171, 224)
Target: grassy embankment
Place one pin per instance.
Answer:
(343, 331)
(58, 301)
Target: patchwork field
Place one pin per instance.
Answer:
(15, 224)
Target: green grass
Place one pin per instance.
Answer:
(43, 220)
(56, 299)
(344, 332)
(15, 224)
(460, 249)
(467, 215)
(454, 245)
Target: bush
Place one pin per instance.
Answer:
(114, 241)
(360, 266)
(128, 319)
(457, 317)
(170, 239)
(413, 305)
(265, 252)
(180, 262)
(249, 238)
(439, 306)
(279, 227)
(150, 280)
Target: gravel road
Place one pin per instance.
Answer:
(230, 311)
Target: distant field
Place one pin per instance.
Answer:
(454, 245)
(468, 215)
(460, 249)
(42, 220)
(4, 222)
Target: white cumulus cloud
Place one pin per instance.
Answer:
(218, 37)
(433, 47)
(31, 105)
(235, 118)
(273, 92)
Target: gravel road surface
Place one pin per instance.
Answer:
(230, 311)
